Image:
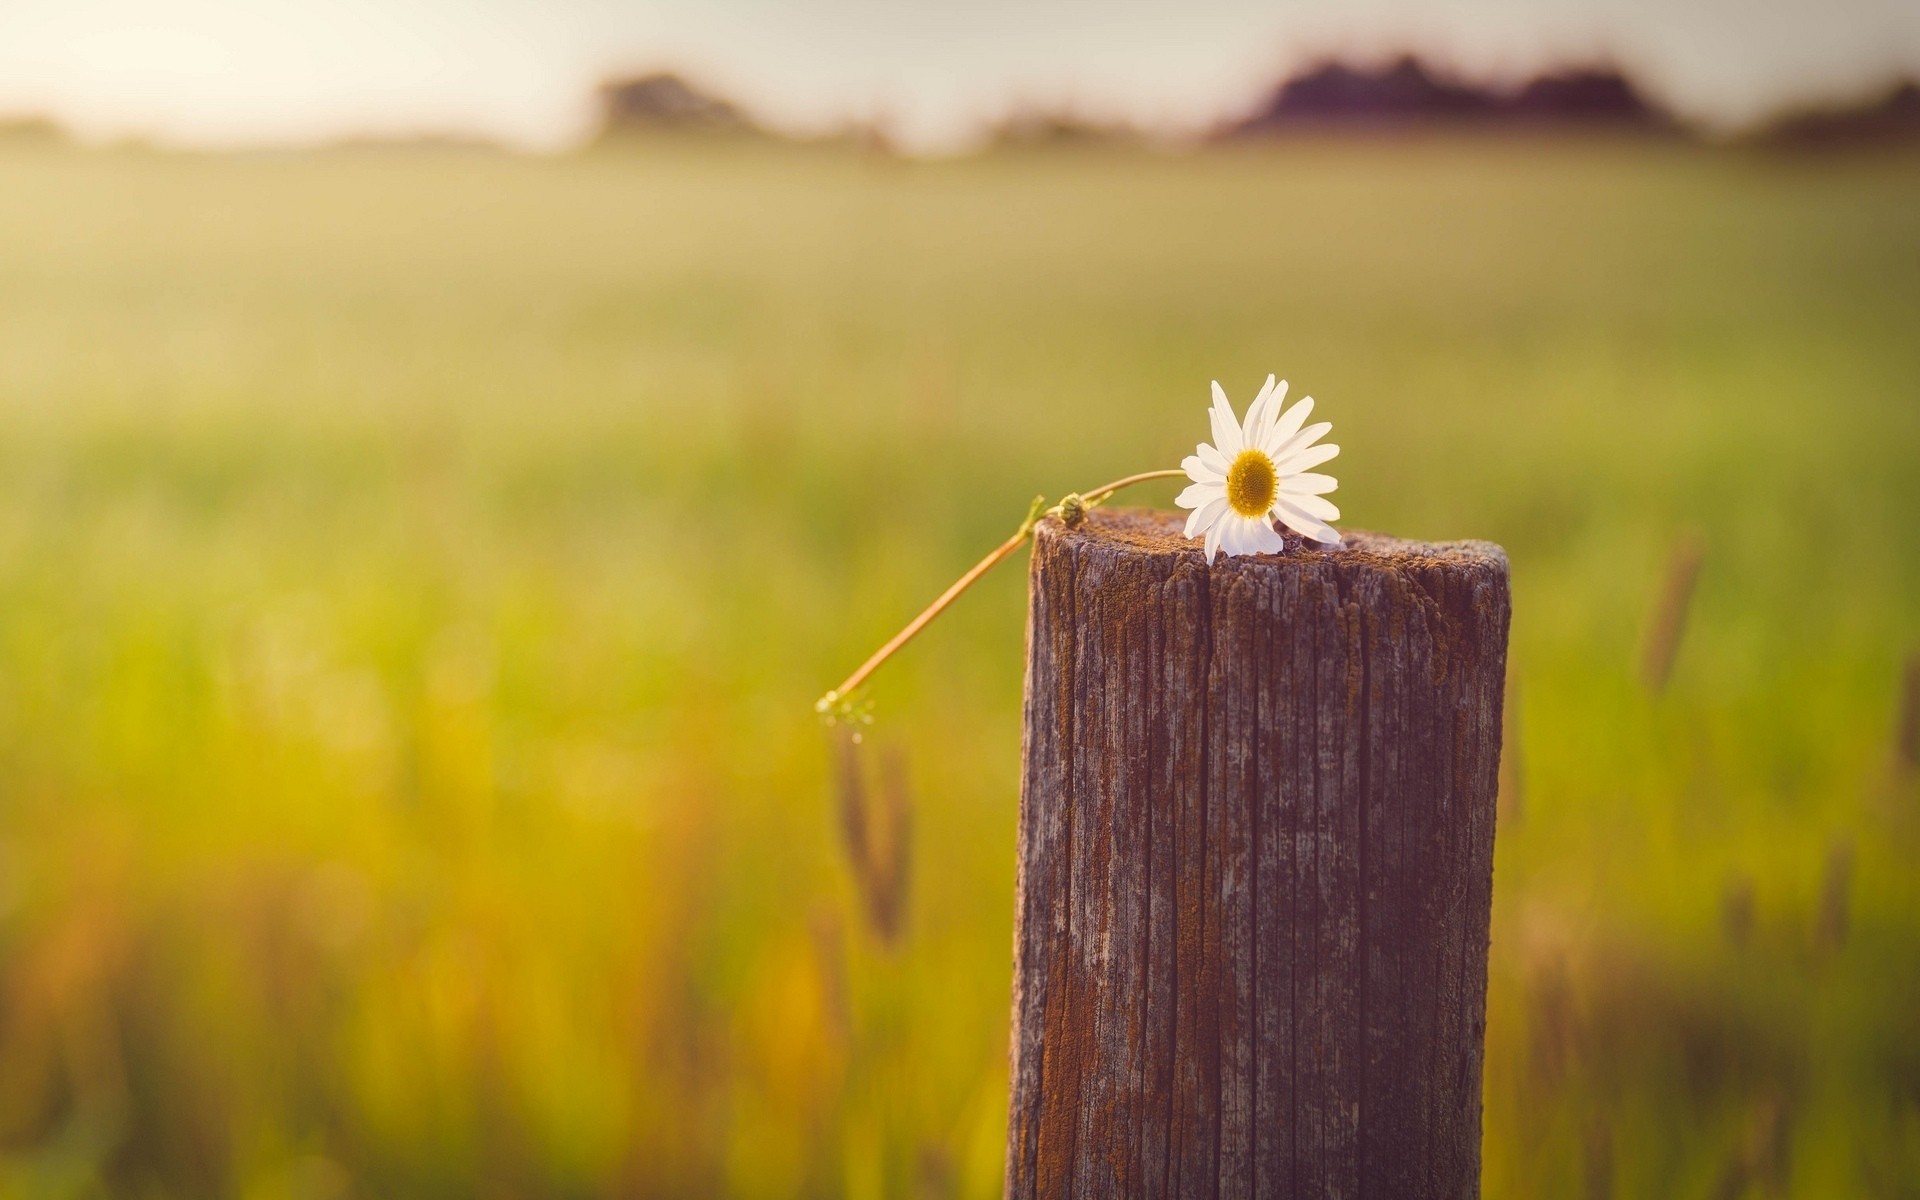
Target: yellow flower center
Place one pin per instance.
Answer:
(1252, 483)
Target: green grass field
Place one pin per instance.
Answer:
(416, 570)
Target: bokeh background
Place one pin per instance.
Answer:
(446, 448)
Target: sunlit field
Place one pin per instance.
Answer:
(417, 568)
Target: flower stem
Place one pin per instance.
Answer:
(1099, 495)
(831, 703)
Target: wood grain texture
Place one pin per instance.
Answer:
(1256, 865)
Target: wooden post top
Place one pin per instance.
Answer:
(1131, 532)
(1256, 865)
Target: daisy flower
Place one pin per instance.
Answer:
(1257, 472)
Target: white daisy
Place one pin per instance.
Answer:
(1256, 472)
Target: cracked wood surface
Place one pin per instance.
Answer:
(1256, 864)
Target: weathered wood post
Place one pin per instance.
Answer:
(1256, 863)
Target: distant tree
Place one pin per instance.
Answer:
(662, 102)
(30, 130)
(1050, 129)
(1891, 117)
(1587, 96)
(1406, 93)
(1335, 93)
(436, 141)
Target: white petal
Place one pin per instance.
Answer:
(1206, 516)
(1257, 414)
(1315, 506)
(1263, 538)
(1288, 425)
(1250, 535)
(1198, 494)
(1304, 523)
(1308, 484)
(1198, 470)
(1226, 429)
(1300, 460)
(1233, 540)
(1213, 540)
(1219, 462)
(1299, 441)
(1275, 406)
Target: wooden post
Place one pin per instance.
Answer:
(1256, 864)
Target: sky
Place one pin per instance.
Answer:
(222, 73)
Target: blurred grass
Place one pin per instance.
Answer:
(416, 570)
